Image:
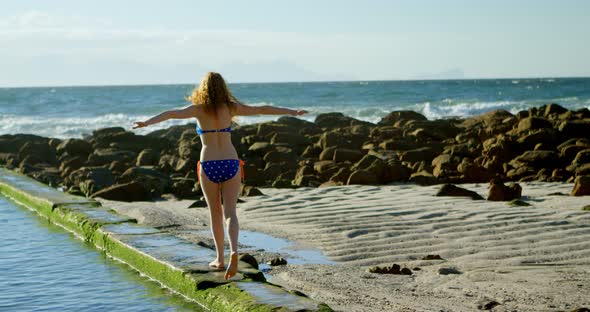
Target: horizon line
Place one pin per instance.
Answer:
(287, 82)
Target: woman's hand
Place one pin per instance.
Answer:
(299, 112)
(139, 124)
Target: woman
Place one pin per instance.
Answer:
(214, 106)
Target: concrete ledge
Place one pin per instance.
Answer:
(170, 260)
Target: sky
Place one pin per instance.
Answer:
(108, 42)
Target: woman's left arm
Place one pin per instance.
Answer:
(187, 112)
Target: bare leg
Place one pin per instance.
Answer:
(212, 196)
(230, 192)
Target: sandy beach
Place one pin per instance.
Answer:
(508, 258)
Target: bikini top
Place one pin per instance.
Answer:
(201, 131)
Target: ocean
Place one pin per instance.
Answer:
(65, 112)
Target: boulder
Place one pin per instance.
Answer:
(537, 159)
(575, 128)
(396, 116)
(75, 147)
(419, 154)
(12, 143)
(91, 179)
(423, 178)
(293, 138)
(327, 153)
(189, 149)
(337, 120)
(103, 156)
(248, 191)
(500, 192)
(344, 154)
(581, 186)
(154, 181)
(279, 157)
(311, 151)
(453, 190)
(533, 123)
(37, 153)
(554, 109)
(127, 192)
(184, 188)
(260, 148)
(364, 177)
(147, 157)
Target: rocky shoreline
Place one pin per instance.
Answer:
(547, 143)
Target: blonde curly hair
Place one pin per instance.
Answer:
(212, 93)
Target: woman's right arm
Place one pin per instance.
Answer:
(187, 112)
(246, 110)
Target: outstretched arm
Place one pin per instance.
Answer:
(187, 112)
(245, 110)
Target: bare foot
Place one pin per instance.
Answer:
(232, 267)
(216, 264)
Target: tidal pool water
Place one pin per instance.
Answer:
(45, 268)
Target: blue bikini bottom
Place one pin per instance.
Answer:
(220, 170)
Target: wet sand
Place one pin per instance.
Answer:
(523, 258)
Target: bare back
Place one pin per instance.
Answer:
(216, 145)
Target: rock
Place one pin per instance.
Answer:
(363, 177)
(344, 154)
(37, 153)
(582, 157)
(432, 257)
(199, 203)
(419, 154)
(91, 179)
(447, 271)
(249, 191)
(147, 157)
(405, 271)
(537, 159)
(337, 120)
(309, 180)
(453, 190)
(500, 192)
(289, 138)
(575, 128)
(154, 181)
(126, 192)
(423, 178)
(327, 153)
(68, 165)
(188, 149)
(518, 202)
(533, 123)
(476, 173)
(396, 116)
(184, 188)
(277, 261)
(279, 157)
(312, 151)
(581, 186)
(554, 109)
(12, 143)
(129, 141)
(341, 176)
(103, 156)
(488, 305)
(393, 269)
(75, 147)
(260, 148)
(326, 168)
(248, 258)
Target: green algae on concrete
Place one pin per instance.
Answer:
(172, 261)
(35, 194)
